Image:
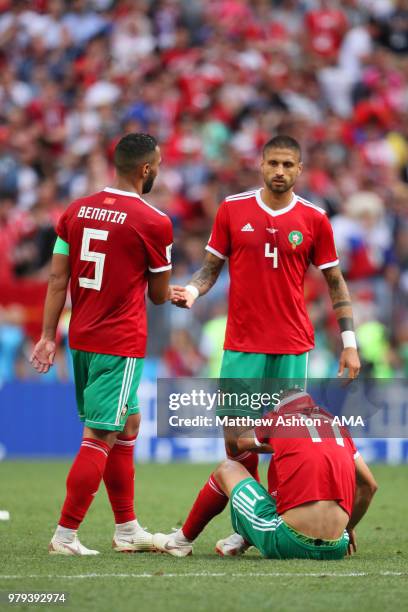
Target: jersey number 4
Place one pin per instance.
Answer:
(272, 253)
(93, 256)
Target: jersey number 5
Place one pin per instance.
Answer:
(93, 256)
(272, 253)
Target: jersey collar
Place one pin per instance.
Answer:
(301, 395)
(270, 211)
(131, 194)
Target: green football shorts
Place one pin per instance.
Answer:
(106, 388)
(254, 373)
(254, 517)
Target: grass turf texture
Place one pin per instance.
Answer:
(33, 493)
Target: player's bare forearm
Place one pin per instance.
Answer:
(54, 303)
(366, 488)
(202, 281)
(207, 275)
(56, 295)
(43, 354)
(341, 301)
(340, 298)
(362, 500)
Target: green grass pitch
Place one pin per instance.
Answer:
(375, 579)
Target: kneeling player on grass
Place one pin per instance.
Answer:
(323, 487)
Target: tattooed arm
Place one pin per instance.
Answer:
(340, 298)
(201, 282)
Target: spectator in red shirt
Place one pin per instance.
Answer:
(326, 26)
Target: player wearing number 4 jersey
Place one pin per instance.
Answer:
(110, 246)
(270, 236)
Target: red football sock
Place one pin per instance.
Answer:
(83, 481)
(210, 501)
(119, 478)
(250, 461)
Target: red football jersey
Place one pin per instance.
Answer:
(313, 457)
(326, 28)
(114, 238)
(269, 252)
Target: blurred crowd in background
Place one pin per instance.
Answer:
(212, 80)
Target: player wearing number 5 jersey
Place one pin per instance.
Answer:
(270, 236)
(110, 246)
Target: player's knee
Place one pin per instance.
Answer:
(132, 425)
(222, 472)
(109, 437)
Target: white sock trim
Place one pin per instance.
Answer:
(65, 534)
(180, 537)
(214, 485)
(128, 527)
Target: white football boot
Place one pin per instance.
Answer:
(232, 546)
(131, 537)
(175, 544)
(69, 546)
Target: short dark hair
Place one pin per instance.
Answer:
(133, 150)
(282, 142)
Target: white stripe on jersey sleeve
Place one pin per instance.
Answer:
(162, 269)
(330, 264)
(214, 252)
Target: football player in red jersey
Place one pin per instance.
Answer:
(321, 486)
(111, 245)
(270, 236)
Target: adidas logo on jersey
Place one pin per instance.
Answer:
(247, 228)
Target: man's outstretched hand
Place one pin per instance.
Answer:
(43, 355)
(349, 360)
(181, 297)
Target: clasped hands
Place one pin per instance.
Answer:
(181, 296)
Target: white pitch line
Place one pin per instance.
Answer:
(212, 575)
